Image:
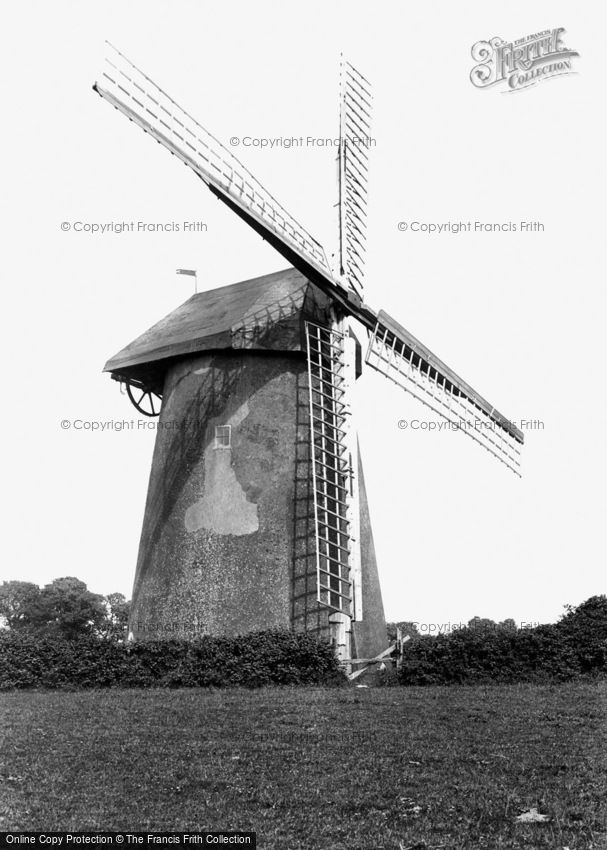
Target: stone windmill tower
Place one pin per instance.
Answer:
(257, 512)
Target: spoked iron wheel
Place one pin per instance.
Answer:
(145, 400)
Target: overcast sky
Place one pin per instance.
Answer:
(520, 316)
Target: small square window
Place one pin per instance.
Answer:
(223, 436)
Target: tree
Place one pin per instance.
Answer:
(18, 603)
(407, 627)
(68, 607)
(117, 616)
(585, 628)
(65, 607)
(482, 625)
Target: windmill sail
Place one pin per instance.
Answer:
(399, 356)
(142, 101)
(355, 118)
(331, 473)
(393, 351)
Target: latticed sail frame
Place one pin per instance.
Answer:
(398, 360)
(355, 139)
(393, 351)
(331, 472)
(137, 96)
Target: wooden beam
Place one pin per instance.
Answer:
(375, 660)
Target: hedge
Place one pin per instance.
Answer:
(558, 652)
(264, 658)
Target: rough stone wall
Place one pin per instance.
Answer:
(227, 545)
(216, 552)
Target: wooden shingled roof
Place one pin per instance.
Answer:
(265, 313)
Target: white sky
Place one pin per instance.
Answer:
(519, 316)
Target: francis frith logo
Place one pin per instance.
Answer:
(522, 63)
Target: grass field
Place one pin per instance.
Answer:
(314, 768)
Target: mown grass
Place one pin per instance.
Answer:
(314, 768)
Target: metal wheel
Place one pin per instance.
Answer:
(146, 401)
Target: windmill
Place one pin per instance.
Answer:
(257, 513)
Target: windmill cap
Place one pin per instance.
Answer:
(264, 314)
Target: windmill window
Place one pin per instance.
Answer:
(223, 436)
